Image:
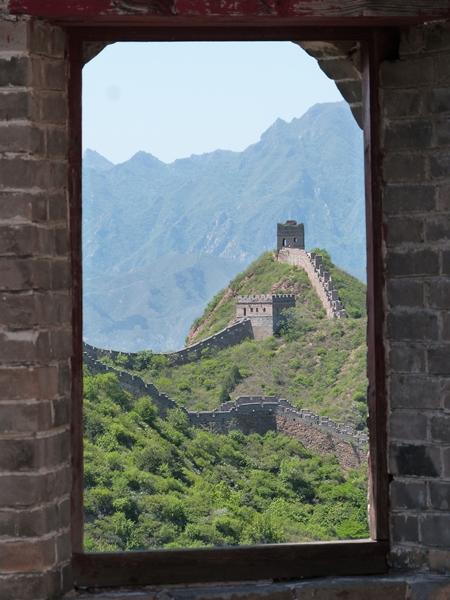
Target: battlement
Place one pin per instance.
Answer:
(290, 235)
(266, 298)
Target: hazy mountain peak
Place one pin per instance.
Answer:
(94, 160)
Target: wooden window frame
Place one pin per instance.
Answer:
(259, 562)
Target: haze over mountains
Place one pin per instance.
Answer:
(159, 240)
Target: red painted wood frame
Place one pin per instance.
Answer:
(275, 561)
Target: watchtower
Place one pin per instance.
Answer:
(265, 312)
(290, 235)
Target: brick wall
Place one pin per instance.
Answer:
(415, 100)
(35, 313)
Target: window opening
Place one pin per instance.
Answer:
(170, 454)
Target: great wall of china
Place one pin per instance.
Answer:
(319, 277)
(251, 414)
(257, 414)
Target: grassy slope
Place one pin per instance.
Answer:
(267, 275)
(263, 276)
(160, 483)
(316, 363)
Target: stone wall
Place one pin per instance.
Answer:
(35, 375)
(131, 383)
(35, 314)
(319, 278)
(225, 338)
(260, 414)
(415, 133)
(253, 414)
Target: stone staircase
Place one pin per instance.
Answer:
(319, 277)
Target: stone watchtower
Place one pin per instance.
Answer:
(265, 312)
(290, 235)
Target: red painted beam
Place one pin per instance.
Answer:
(304, 9)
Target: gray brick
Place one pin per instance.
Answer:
(405, 292)
(405, 528)
(405, 168)
(409, 135)
(56, 143)
(442, 131)
(443, 202)
(399, 199)
(25, 417)
(412, 460)
(441, 70)
(53, 107)
(439, 360)
(435, 530)
(409, 495)
(401, 103)
(446, 462)
(15, 71)
(439, 293)
(22, 173)
(17, 105)
(438, 228)
(21, 138)
(404, 230)
(438, 100)
(407, 358)
(22, 205)
(419, 325)
(413, 391)
(407, 73)
(407, 426)
(445, 254)
(440, 165)
(445, 331)
(418, 262)
(440, 428)
(440, 495)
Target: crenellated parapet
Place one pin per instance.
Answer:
(251, 414)
(225, 338)
(319, 277)
(328, 285)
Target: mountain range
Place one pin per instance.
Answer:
(159, 240)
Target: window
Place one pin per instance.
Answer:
(241, 563)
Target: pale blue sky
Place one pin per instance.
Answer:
(175, 99)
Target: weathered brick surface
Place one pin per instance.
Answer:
(415, 105)
(35, 313)
(35, 299)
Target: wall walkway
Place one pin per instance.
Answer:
(319, 277)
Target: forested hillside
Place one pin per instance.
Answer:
(152, 483)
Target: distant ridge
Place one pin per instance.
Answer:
(160, 239)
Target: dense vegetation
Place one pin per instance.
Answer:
(160, 483)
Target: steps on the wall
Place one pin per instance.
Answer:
(319, 277)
